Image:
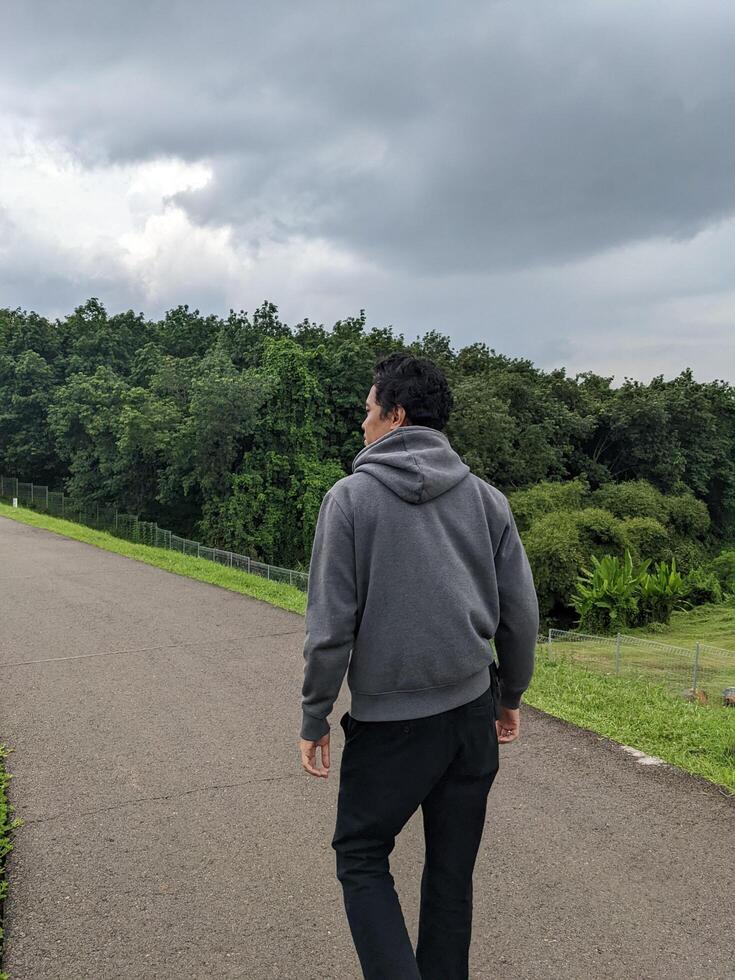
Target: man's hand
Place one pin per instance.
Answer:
(308, 756)
(508, 724)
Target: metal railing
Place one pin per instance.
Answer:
(702, 674)
(131, 528)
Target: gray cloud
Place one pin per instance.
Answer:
(481, 136)
(450, 150)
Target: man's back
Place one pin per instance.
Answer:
(438, 570)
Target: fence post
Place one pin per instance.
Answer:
(269, 572)
(549, 645)
(617, 654)
(248, 562)
(290, 578)
(230, 554)
(695, 669)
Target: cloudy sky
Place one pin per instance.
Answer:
(554, 178)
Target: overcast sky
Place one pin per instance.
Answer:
(556, 179)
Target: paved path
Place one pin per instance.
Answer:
(170, 832)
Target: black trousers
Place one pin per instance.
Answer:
(445, 764)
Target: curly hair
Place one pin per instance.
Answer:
(415, 383)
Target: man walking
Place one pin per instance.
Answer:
(416, 565)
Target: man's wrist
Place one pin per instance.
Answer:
(312, 729)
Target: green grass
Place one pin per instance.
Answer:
(7, 826)
(712, 624)
(277, 594)
(626, 709)
(639, 714)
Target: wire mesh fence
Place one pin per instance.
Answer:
(129, 526)
(705, 674)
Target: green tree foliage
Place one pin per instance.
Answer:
(232, 429)
(83, 421)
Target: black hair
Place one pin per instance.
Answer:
(415, 383)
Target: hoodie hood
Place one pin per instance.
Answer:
(416, 462)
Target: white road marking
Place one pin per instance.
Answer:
(643, 759)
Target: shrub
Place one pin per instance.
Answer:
(546, 498)
(560, 543)
(555, 556)
(600, 532)
(689, 554)
(647, 537)
(723, 566)
(615, 594)
(606, 597)
(633, 498)
(682, 514)
(701, 587)
(659, 594)
(687, 516)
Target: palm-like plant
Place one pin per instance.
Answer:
(661, 593)
(606, 596)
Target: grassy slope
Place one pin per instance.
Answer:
(284, 596)
(699, 740)
(6, 828)
(714, 625)
(702, 741)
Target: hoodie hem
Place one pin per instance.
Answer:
(405, 705)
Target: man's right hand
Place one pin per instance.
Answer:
(508, 724)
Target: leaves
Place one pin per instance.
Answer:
(229, 429)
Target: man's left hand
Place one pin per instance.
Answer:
(308, 756)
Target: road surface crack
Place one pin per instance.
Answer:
(215, 787)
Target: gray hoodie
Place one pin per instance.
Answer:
(416, 565)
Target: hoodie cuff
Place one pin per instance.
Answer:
(510, 698)
(312, 729)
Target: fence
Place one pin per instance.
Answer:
(141, 532)
(701, 674)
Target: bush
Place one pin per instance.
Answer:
(615, 594)
(633, 498)
(701, 587)
(606, 598)
(560, 543)
(688, 554)
(659, 594)
(546, 498)
(555, 556)
(647, 537)
(600, 532)
(687, 516)
(681, 514)
(723, 566)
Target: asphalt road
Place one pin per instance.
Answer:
(170, 831)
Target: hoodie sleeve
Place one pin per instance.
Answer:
(517, 632)
(331, 616)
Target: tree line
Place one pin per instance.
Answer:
(231, 430)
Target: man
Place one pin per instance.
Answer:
(416, 565)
